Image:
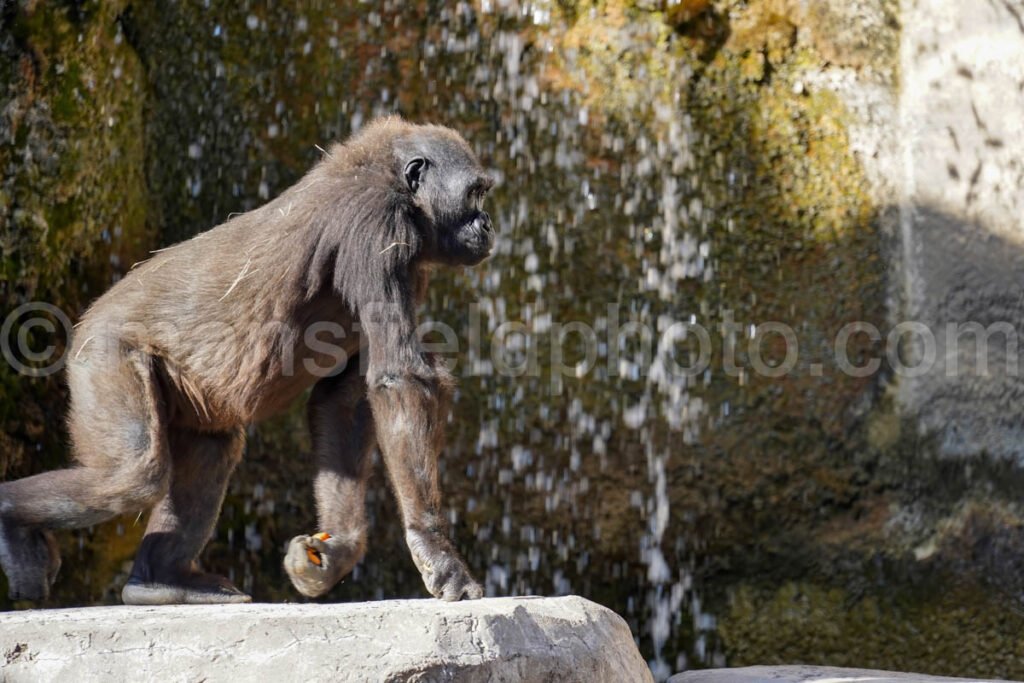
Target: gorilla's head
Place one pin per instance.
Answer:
(447, 186)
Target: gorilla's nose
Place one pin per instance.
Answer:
(483, 222)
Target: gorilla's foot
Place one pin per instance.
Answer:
(444, 573)
(30, 559)
(316, 563)
(196, 588)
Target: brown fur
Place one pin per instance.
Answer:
(211, 335)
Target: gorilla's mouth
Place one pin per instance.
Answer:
(474, 240)
(484, 231)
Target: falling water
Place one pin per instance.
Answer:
(558, 473)
(583, 456)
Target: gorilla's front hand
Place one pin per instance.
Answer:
(444, 573)
(316, 563)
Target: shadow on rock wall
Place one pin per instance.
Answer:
(930, 549)
(963, 273)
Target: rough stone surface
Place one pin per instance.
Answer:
(962, 134)
(943, 152)
(804, 674)
(507, 639)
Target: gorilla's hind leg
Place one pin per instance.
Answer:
(118, 428)
(166, 569)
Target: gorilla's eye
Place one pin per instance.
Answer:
(477, 192)
(414, 172)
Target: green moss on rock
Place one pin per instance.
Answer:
(72, 189)
(941, 628)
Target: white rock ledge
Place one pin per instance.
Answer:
(809, 674)
(499, 639)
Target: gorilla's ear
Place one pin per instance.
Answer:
(414, 171)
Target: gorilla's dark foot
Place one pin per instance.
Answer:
(30, 559)
(316, 563)
(444, 573)
(196, 588)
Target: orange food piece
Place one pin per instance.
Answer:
(323, 536)
(313, 556)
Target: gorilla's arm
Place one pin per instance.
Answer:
(409, 392)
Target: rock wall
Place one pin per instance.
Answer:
(806, 674)
(961, 123)
(806, 162)
(72, 188)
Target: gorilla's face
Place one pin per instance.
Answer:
(448, 187)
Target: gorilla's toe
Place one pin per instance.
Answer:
(195, 589)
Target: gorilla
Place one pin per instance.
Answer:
(169, 366)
